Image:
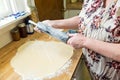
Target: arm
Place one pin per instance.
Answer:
(110, 50)
(70, 23)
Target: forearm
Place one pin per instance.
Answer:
(110, 50)
(70, 23)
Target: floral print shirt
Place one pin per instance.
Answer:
(102, 24)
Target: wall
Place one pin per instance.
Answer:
(71, 13)
(5, 36)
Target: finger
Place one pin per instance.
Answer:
(71, 35)
(73, 45)
(36, 29)
(80, 31)
(69, 41)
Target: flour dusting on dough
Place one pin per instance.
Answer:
(36, 60)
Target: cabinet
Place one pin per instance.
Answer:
(81, 71)
(34, 14)
(72, 8)
(49, 9)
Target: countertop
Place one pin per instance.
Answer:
(7, 52)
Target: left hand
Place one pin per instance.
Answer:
(76, 40)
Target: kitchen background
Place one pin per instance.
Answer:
(36, 9)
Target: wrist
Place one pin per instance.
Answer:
(86, 41)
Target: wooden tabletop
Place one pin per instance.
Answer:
(7, 52)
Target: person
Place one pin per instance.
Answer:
(98, 36)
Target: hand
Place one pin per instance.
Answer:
(77, 40)
(46, 22)
(36, 29)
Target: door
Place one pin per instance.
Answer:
(49, 9)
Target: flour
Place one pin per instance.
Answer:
(60, 71)
(38, 60)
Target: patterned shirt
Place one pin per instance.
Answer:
(102, 24)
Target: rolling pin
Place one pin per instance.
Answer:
(62, 36)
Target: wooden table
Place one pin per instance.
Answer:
(7, 52)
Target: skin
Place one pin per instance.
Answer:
(78, 40)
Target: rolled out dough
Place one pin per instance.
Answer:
(40, 58)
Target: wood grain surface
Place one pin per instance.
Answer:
(7, 52)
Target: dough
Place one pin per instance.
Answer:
(40, 58)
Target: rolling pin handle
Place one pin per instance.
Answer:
(32, 22)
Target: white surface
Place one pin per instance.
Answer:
(10, 21)
(39, 59)
(5, 8)
(5, 36)
(19, 5)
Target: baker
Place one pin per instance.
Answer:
(99, 37)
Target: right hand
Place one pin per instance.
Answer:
(46, 22)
